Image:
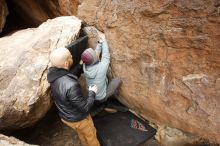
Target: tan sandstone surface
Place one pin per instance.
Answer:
(24, 90)
(11, 141)
(168, 55)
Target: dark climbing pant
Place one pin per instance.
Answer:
(112, 88)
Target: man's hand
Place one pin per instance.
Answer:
(81, 62)
(93, 88)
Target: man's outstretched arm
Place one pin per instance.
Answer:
(105, 59)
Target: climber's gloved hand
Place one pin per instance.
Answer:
(93, 88)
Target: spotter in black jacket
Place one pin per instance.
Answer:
(66, 92)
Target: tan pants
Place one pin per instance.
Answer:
(85, 130)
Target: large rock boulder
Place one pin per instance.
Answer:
(173, 137)
(24, 91)
(167, 54)
(11, 141)
(33, 13)
(3, 14)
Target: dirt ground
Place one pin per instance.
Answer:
(50, 131)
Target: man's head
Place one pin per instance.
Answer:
(61, 58)
(89, 56)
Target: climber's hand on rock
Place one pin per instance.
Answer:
(100, 41)
(102, 36)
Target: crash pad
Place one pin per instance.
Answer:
(115, 104)
(77, 47)
(122, 129)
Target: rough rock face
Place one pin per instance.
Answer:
(11, 141)
(3, 13)
(173, 137)
(168, 56)
(24, 94)
(33, 12)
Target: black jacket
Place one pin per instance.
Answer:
(67, 94)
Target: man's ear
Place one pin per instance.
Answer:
(66, 64)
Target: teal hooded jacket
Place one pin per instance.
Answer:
(97, 73)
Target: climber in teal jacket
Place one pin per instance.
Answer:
(95, 70)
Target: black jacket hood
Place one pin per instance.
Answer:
(55, 73)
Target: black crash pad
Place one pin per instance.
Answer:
(77, 47)
(122, 129)
(115, 104)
